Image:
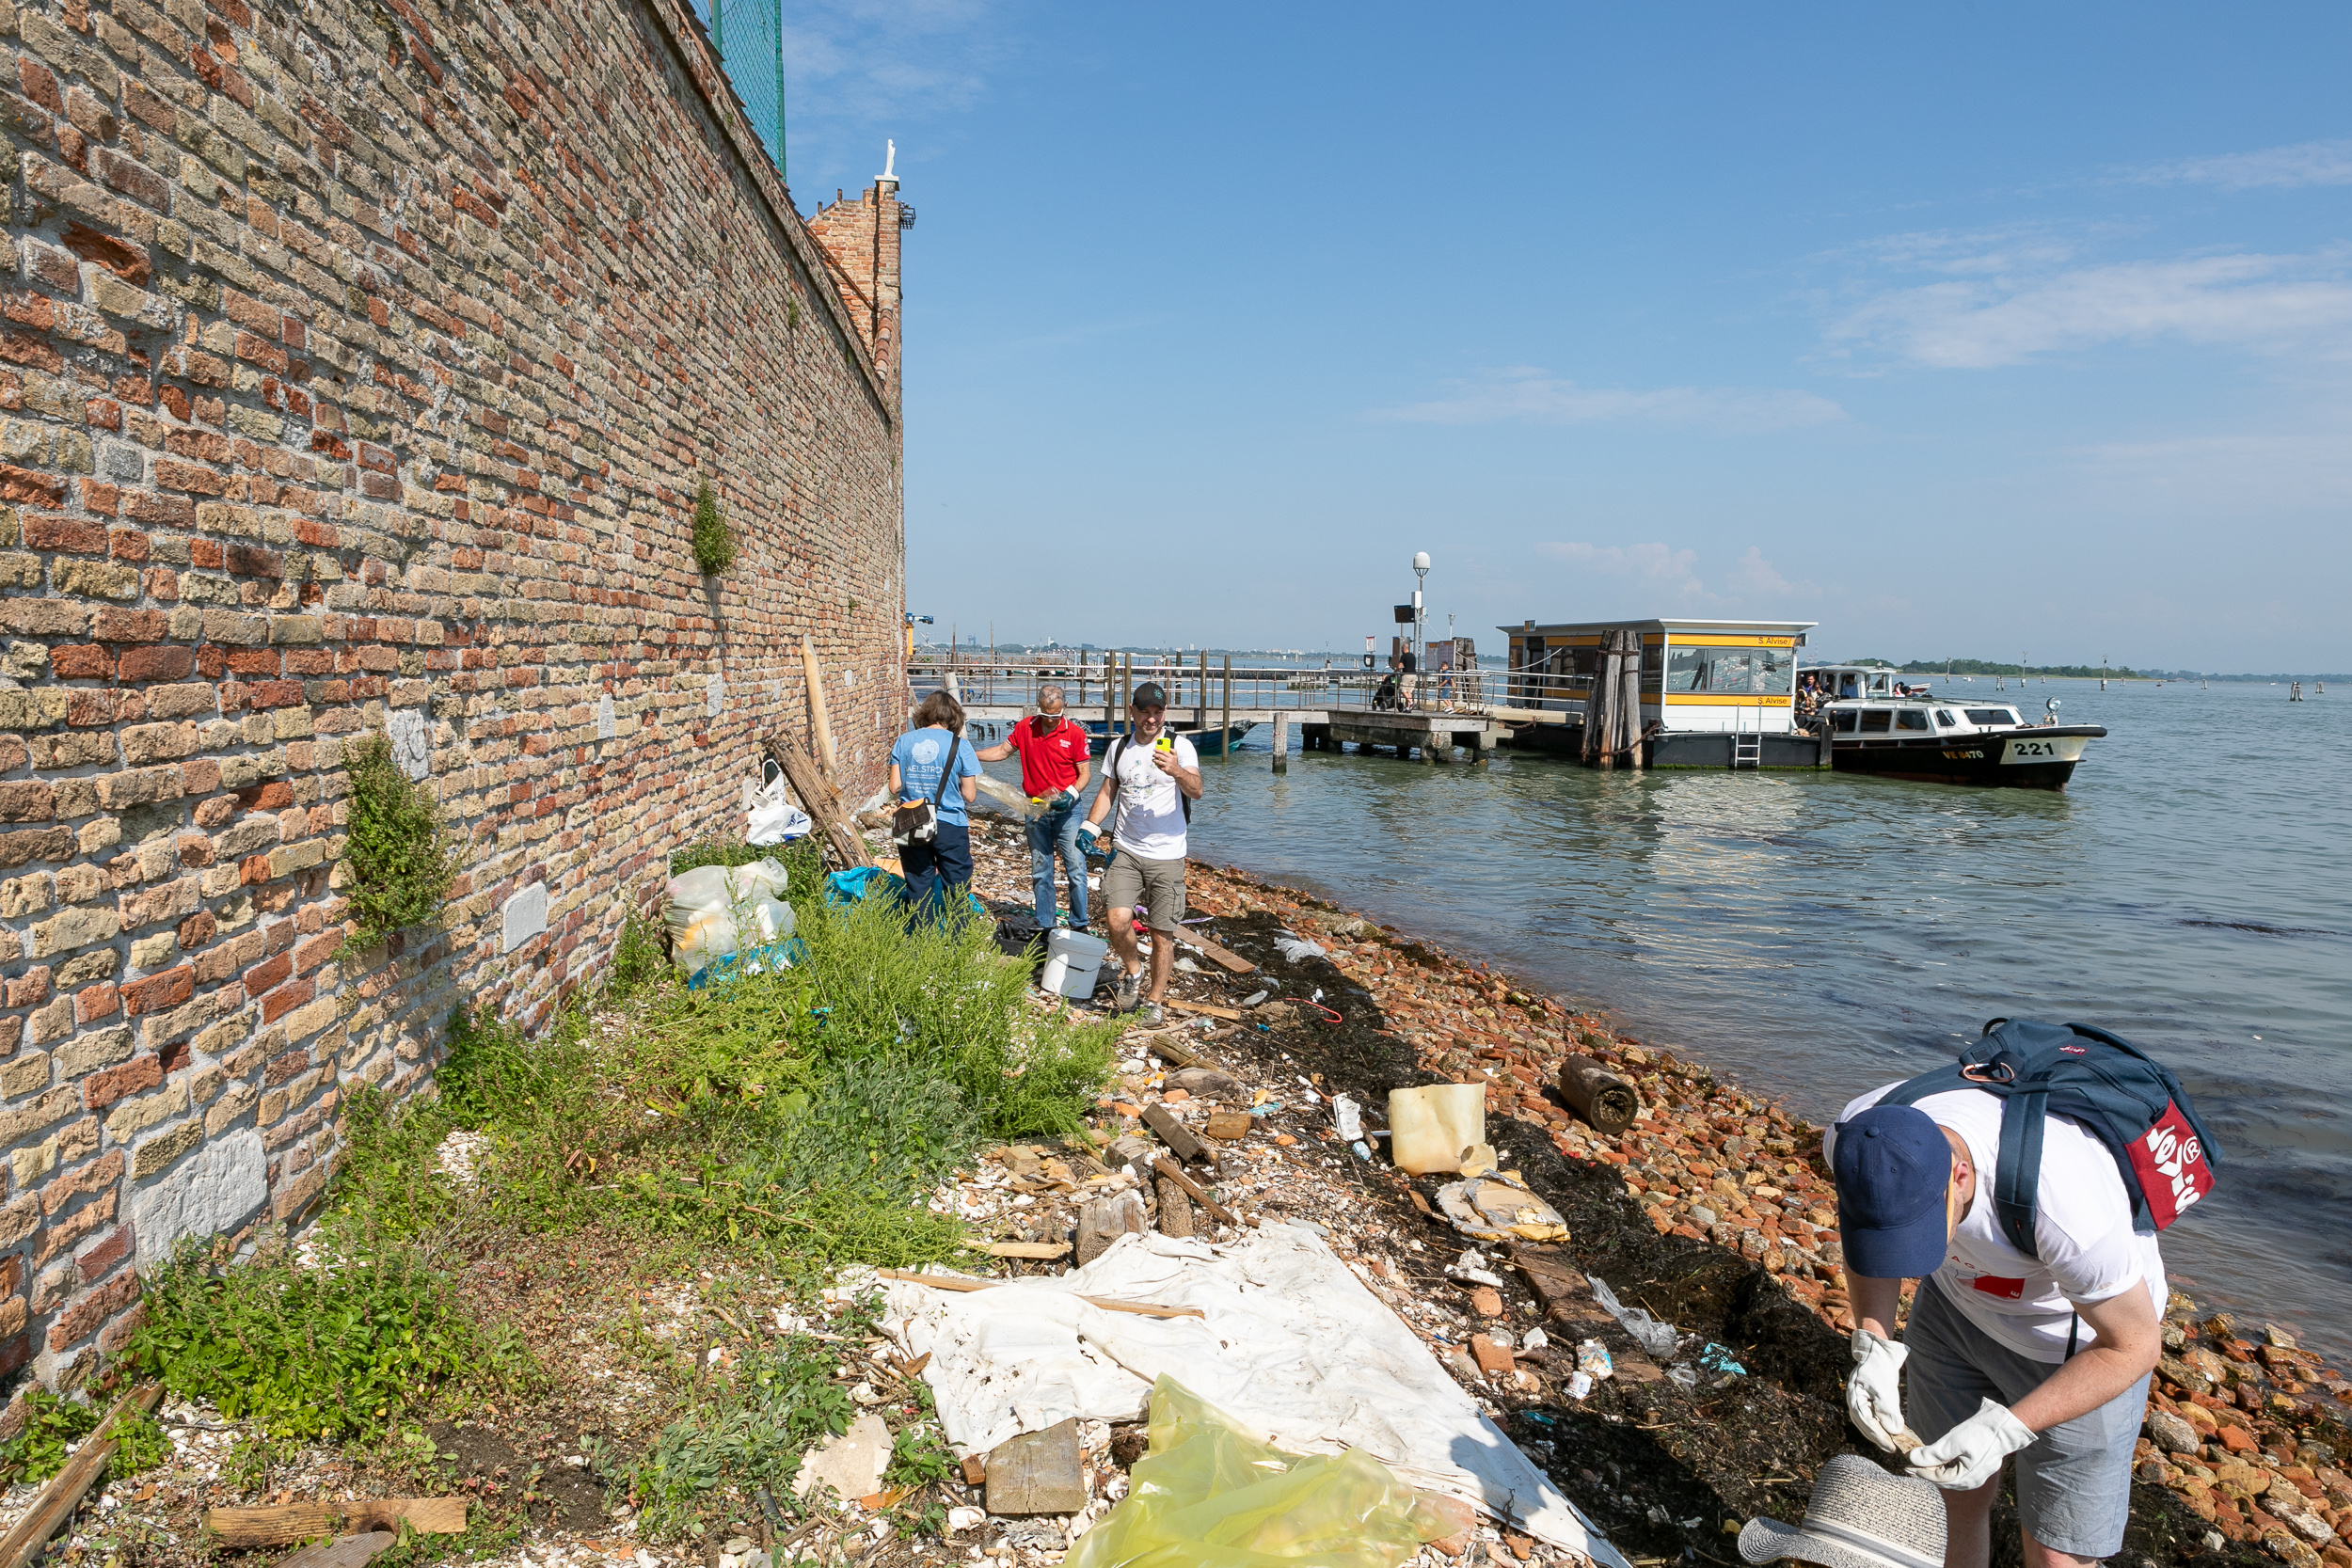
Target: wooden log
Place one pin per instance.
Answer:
(1604, 1100)
(822, 806)
(1038, 1472)
(63, 1494)
(1175, 1211)
(1174, 1133)
(953, 1282)
(1282, 742)
(1200, 694)
(1229, 1126)
(1205, 1009)
(1229, 695)
(819, 725)
(287, 1523)
(1169, 1170)
(1104, 1220)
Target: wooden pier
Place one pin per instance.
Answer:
(1332, 708)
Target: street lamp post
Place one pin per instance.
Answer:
(1420, 613)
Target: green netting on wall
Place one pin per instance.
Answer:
(750, 34)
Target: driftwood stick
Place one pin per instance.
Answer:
(63, 1494)
(824, 807)
(819, 723)
(951, 1282)
(286, 1523)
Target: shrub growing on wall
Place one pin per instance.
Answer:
(401, 861)
(714, 542)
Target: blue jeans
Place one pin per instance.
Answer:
(1058, 832)
(939, 873)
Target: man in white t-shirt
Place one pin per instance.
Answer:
(2045, 1356)
(1152, 776)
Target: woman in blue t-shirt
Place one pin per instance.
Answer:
(937, 872)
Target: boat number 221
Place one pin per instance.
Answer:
(2032, 748)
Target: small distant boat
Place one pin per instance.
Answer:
(1211, 742)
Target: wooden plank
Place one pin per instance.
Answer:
(1229, 1126)
(1205, 1009)
(349, 1552)
(63, 1494)
(1038, 1472)
(1027, 1249)
(287, 1523)
(954, 1282)
(1174, 1133)
(819, 725)
(1223, 955)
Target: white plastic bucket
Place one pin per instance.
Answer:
(1073, 960)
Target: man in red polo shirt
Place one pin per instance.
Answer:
(1054, 766)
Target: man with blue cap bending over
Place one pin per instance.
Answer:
(2045, 1356)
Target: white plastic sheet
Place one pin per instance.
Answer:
(1291, 1344)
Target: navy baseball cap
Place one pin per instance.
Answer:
(1893, 1168)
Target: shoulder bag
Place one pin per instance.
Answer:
(917, 821)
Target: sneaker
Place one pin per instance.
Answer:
(1149, 1016)
(1130, 988)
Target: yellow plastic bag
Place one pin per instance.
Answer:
(1208, 1495)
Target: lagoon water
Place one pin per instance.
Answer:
(1817, 934)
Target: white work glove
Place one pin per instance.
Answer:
(1875, 1392)
(1971, 1453)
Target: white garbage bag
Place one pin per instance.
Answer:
(715, 911)
(774, 819)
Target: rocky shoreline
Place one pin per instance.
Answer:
(1714, 1212)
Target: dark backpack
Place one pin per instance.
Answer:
(2129, 1102)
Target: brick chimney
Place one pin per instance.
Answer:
(860, 240)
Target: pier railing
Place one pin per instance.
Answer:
(1204, 689)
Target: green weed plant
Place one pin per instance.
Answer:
(714, 542)
(402, 862)
(52, 1426)
(750, 1429)
(801, 1114)
(330, 1352)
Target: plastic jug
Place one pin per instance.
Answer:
(1430, 1128)
(1073, 961)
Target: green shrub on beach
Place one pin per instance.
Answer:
(805, 1113)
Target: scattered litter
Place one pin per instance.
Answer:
(1211, 1493)
(1659, 1338)
(1470, 1269)
(1347, 1116)
(1581, 1385)
(1255, 997)
(851, 1463)
(1295, 948)
(1592, 1361)
(1537, 1339)
(1291, 1341)
(1436, 1125)
(1492, 1208)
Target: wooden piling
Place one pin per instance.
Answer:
(1229, 702)
(1200, 694)
(1282, 742)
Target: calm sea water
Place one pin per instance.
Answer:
(1817, 934)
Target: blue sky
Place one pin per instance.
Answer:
(1966, 330)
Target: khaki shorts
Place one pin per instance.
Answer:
(1157, 885)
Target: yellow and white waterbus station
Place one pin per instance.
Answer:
(1715, 693)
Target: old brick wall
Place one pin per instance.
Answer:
(358, 366)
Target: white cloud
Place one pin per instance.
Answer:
(1671, 571)
(2227, 474)
(2310, 163)
(2245, 301)
(1533, 396)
